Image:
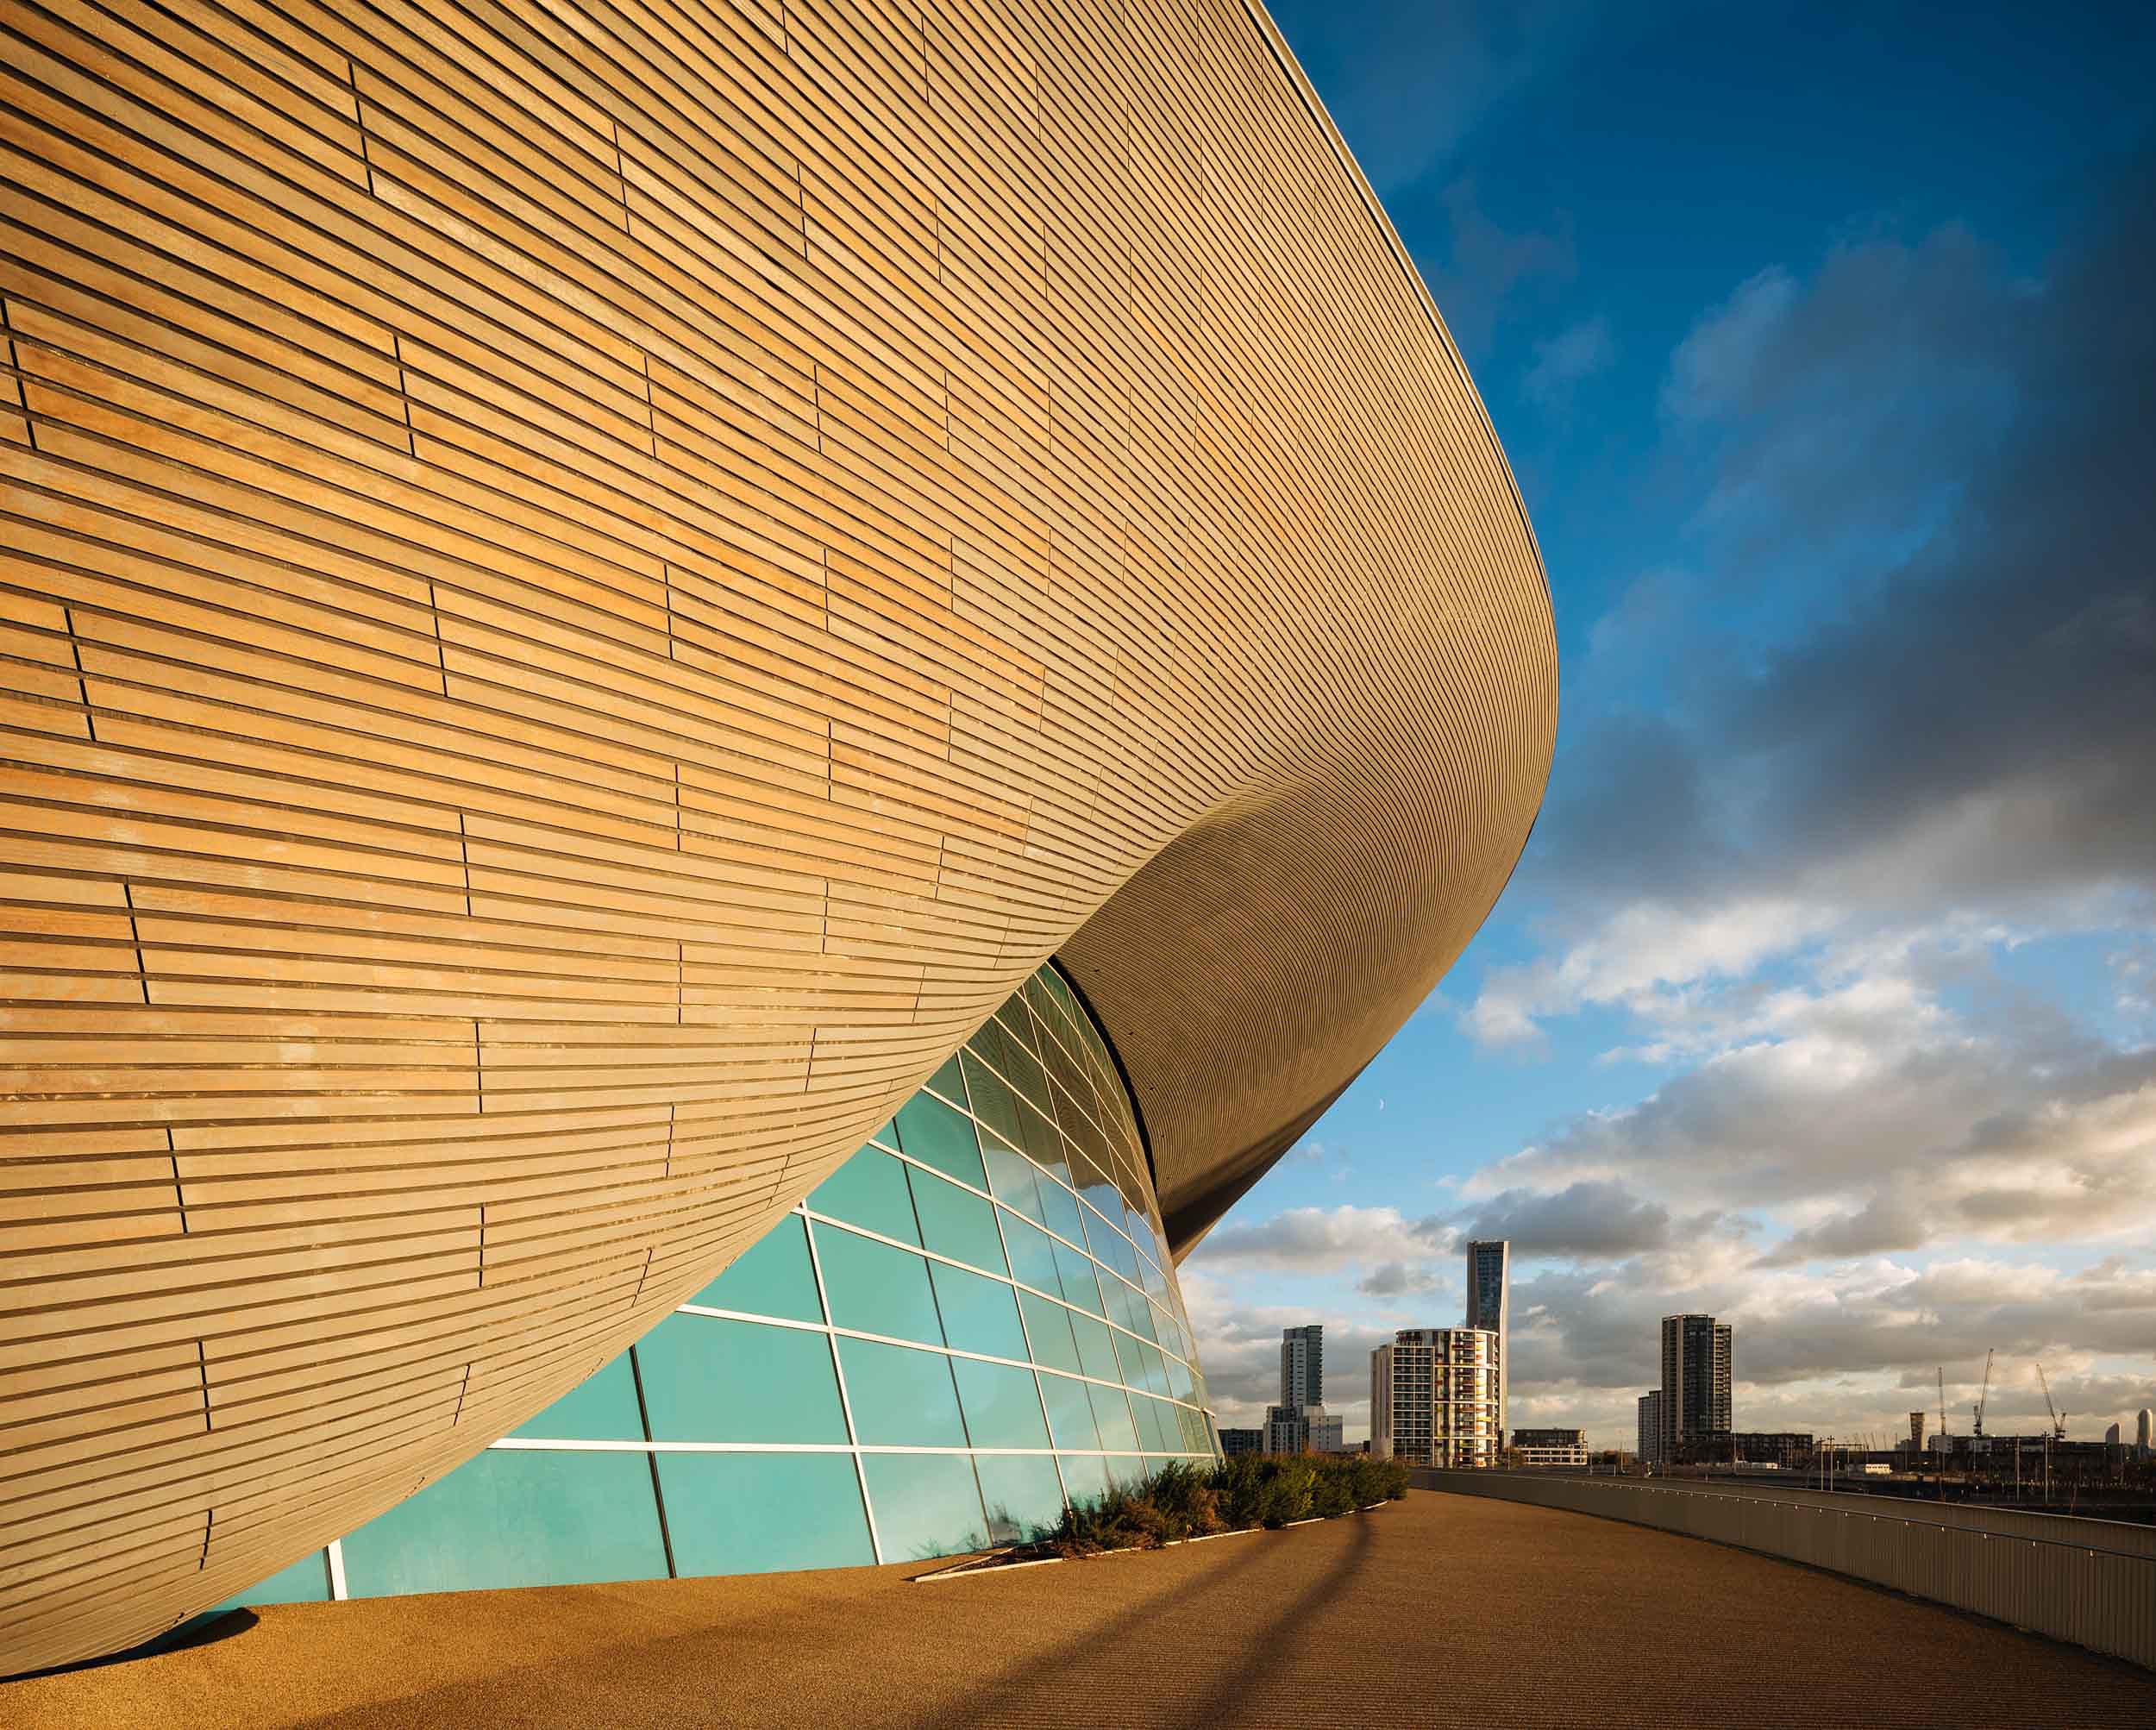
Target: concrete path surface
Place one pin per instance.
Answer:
(1439, 1610)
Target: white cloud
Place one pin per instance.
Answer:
(1577, 352)
(1715, 366)
(1322, 1240)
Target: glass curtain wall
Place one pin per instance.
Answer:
(972, 1321)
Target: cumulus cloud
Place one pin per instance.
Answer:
(1590, 1219)
(1874, 1119)
(1399, 1279)
(1924, 503)
(1323, 1240)
(1855, 1352)
(1899, 751)
(1577, 352)
(1238, 1346)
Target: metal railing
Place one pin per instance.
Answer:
(2091, 1582)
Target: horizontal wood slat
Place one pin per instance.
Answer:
(586, 586)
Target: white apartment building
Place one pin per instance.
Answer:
(1434, 1399)
(1302, 1430)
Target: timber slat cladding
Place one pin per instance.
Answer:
(586, 588)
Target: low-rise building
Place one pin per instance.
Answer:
(1550, 1447)
(1301, 1430)
(1783, 1448)
(1233, 1442)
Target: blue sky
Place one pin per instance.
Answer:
(1825, 995)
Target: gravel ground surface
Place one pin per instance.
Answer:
(1439, 1610)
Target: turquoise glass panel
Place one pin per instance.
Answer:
(1032, 1256)
(979, 1314)
(1069, 1413)
(1095, 1354)
(1018, 1057)
(937, 1135)
(926, 1505)
(771, 1277)
(1059, 1212)
(947, 1081)
(876, 1288)
(1084, 1167)
(955, 1223)
(1002, 1405)
(887, 1136)
(761, 1513)
(1013, 1180)
(1187, 1428)
(1038, 1135)
(1057, 988)
(1104, 1197)
(1132, 1352)
(1112, 1412)
(1126, 1471)
(900, 1398)
(993, 1103)
(306, 1582)
(1044, 1143)
(514, 1517)
(1084, 1475)
(1153, 1432)
(1079, 1285)
(1048, 1326)
(1022, 1493)
(1115, 1299)
(707, 1380)
(600, 1409)
(869, 1190)
(1110, 1247)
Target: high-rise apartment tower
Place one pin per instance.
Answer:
(1696, 1351)
(1650, 1426)
(1489, 1306)
(1302, 1366)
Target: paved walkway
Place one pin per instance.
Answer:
(1440, 1610)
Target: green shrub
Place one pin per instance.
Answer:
(1184, 1499)
(1373, 1481)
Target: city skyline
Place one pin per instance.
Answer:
(1824, 996)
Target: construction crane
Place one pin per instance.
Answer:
(1988, 1356)
(2058, 1423)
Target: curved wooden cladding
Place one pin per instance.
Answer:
(586, 588)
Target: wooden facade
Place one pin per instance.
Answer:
(585, 586)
